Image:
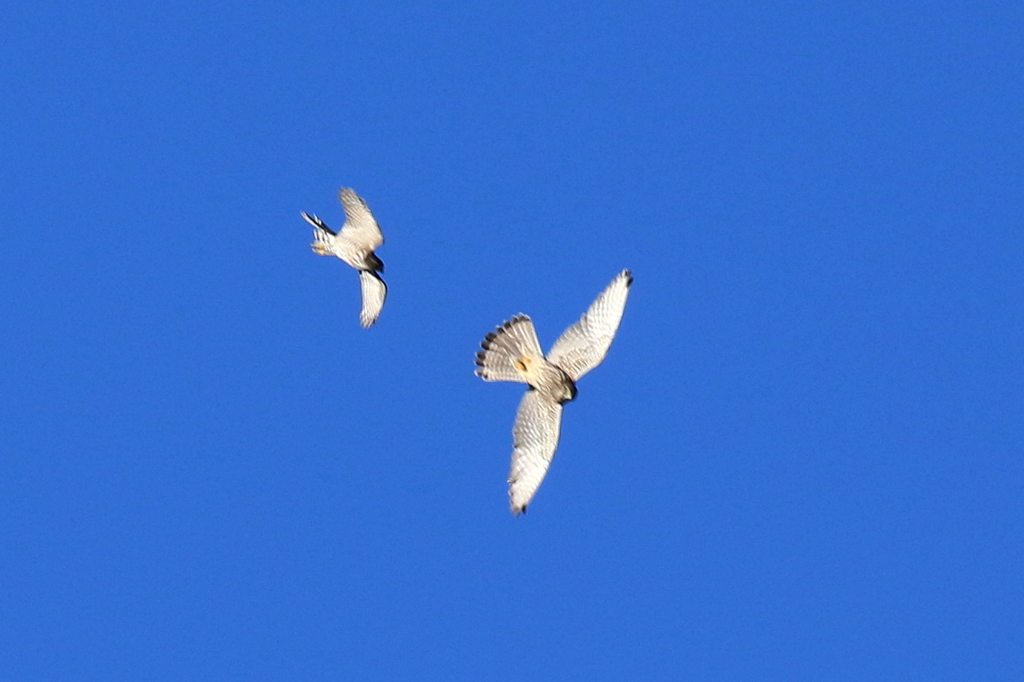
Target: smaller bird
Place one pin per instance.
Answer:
(354, 244)
(512, 353)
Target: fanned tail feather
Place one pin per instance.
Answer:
(505, 350)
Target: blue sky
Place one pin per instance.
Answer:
(801, 460)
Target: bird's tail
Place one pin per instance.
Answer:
(510, 352)
(322, 235)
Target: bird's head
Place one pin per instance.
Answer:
(568, 391)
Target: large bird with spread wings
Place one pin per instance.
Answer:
(354, 244)
(512, 353)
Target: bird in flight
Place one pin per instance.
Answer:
(512, 353)
(354, 244)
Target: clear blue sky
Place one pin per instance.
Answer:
(802, 460)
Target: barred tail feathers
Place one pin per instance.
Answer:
(323, 236)
(508, 351)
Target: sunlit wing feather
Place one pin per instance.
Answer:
(360, 226)
(374, 292)
(535, 437)
(584, 345)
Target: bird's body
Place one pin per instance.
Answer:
(512, 353)
(353, 244)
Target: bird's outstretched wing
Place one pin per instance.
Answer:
(584, 345)
(360, 227)
(534, 438)
(506, 349)
(374, 292)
